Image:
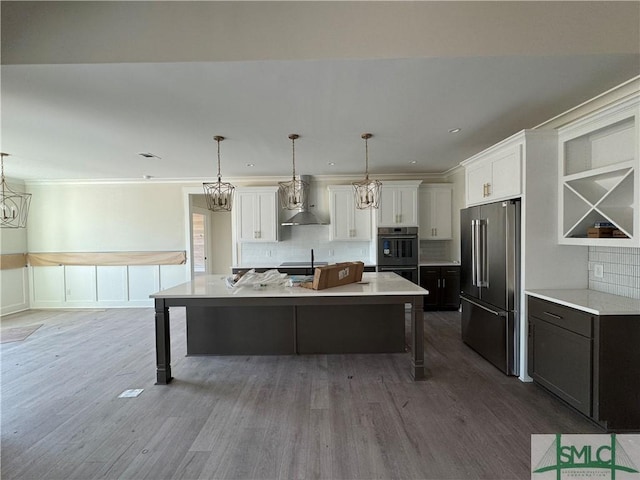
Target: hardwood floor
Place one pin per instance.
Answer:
(258, 417)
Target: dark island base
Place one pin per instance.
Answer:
(306, 329)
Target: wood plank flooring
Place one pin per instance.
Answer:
(258, 417)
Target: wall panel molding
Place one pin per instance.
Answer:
(107, 258)
(12, 261)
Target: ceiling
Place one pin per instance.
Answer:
(88, 86)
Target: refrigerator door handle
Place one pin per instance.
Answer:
(474, 253)
(499, 314)
(483, 273)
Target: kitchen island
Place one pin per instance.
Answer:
(289, 312)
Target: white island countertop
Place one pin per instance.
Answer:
(372, 284)
(590, 301)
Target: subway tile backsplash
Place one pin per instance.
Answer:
(435, 250)
(621, 270)
(295, 246)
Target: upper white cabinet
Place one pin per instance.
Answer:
(255, 214)
(347, 222)
(495, 174)
(399, 204)
(599, 177)
(435, 211)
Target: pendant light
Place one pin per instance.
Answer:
(14, 206)
(219, 195)
(367, 191)
(293, 194)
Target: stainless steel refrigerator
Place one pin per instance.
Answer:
(490, 287)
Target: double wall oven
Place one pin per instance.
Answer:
(399, 251)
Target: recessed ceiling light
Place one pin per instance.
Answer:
(251, 164)
(413, 162)
(149, 155)
(454, 130)
(331, 164)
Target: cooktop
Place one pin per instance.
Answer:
(303, 264)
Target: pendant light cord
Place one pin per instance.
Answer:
(366, 156)
(293, 155)
(293, 138)
(219, 176)
(366, 137)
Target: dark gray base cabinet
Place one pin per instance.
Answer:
(443, 284)
(304, 329)
(591, 362)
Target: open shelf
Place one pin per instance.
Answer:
(605, 197)
(599, 176)
(576, 208)
(594, 187)
(606, 146)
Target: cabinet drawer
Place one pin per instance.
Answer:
(564, 317)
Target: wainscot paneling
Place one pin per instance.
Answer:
(172, 275)
(75, 286)
(47, 287)
(79, 284)
(143, 280)
(14, 292)
(112, 285)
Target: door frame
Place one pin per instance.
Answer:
(207, 232)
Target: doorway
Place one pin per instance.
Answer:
(200, 241)
(210, 234)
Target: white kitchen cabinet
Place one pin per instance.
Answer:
(255, 213)
(347, 222)
(599, 174)
(399, 204)
(495, 174)
(435, 211)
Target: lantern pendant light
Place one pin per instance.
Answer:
(293, 194)
(14, 206)
(367, 191)
(219, 195)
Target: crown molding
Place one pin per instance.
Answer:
(239, 181)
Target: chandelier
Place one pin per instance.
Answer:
(219, 195)
(14, 206)
(367, 191)
(293, 194)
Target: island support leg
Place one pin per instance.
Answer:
(163, 344)
(417, 339)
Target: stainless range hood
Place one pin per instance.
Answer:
(304, 216)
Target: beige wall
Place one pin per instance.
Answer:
(106, 218)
